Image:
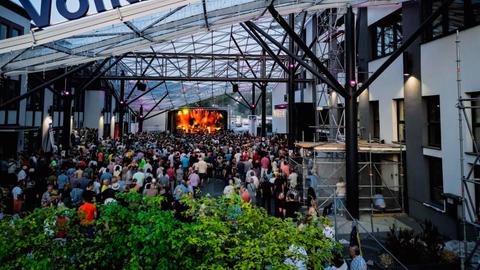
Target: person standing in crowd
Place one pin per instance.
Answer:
(47, 199)
(340, 193)
(266, 194)
(265, 163)
(202, 167)
(76, 195)
(195, 181)
(358, 262)
(17, 194)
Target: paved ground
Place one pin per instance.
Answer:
(214, 187)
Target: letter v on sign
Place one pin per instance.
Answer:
(43, 19)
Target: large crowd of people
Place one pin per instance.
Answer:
(155, 164)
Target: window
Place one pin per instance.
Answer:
(387, 34)
(11, 89)
(3, 31)
(476, 175)
(108, 102)
(435, 175)
(15, 32)
(9, 29)
(35, 101)
(433, 121)
(476, 120)
(374, 110)
(459, 15)
(79, 102)
(400, 112)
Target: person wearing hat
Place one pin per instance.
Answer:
(110, 191)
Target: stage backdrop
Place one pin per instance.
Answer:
(197, 120)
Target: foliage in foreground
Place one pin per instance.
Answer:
(222, 234)
(412, 248)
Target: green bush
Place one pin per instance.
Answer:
(222, 234)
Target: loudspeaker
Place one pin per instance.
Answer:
(305, 113)
(235, 88)
(141, 86)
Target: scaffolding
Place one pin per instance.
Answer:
(380, 171)
(470, 181)
(326, 162)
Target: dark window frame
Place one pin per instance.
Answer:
(470, 17)
(375, 112)
(475, 122)
(399, 121)
(434, 126)
(435, 180)
(12, 26)
(378, 34)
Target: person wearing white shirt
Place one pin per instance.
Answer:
(147, 166)
(139, 177)
(22, 174)
(293, 179)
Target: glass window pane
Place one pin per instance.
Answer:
(456, 15)
(476, 11)
(15, 33)
(3, 31)
(436, 179)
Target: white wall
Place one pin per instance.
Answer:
(385, 88)
(379, 12)
(157, 123)
(94, 102)
(439, 78)
(279, 117)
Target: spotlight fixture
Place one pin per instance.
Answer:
(235, 88)
(353, 83)
(141, 86)
(406, 74)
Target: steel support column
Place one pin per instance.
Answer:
(121, 110)
(264, 110)
(140, 119)
(253, 105)
(67, 112)
(291, 87)
(351, 108)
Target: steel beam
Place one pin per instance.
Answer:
(200, 79)
(296, 58)
(156, 104)
(143, 74)
(234, 99)
(264, 45)
(330, 79)
(67, 114)
(199, 56)
(153, 115)
(291, 88)
(144, 93)
(264, 110)
(121, 109)
(140, 119)
(351, 107)
(66, 130)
